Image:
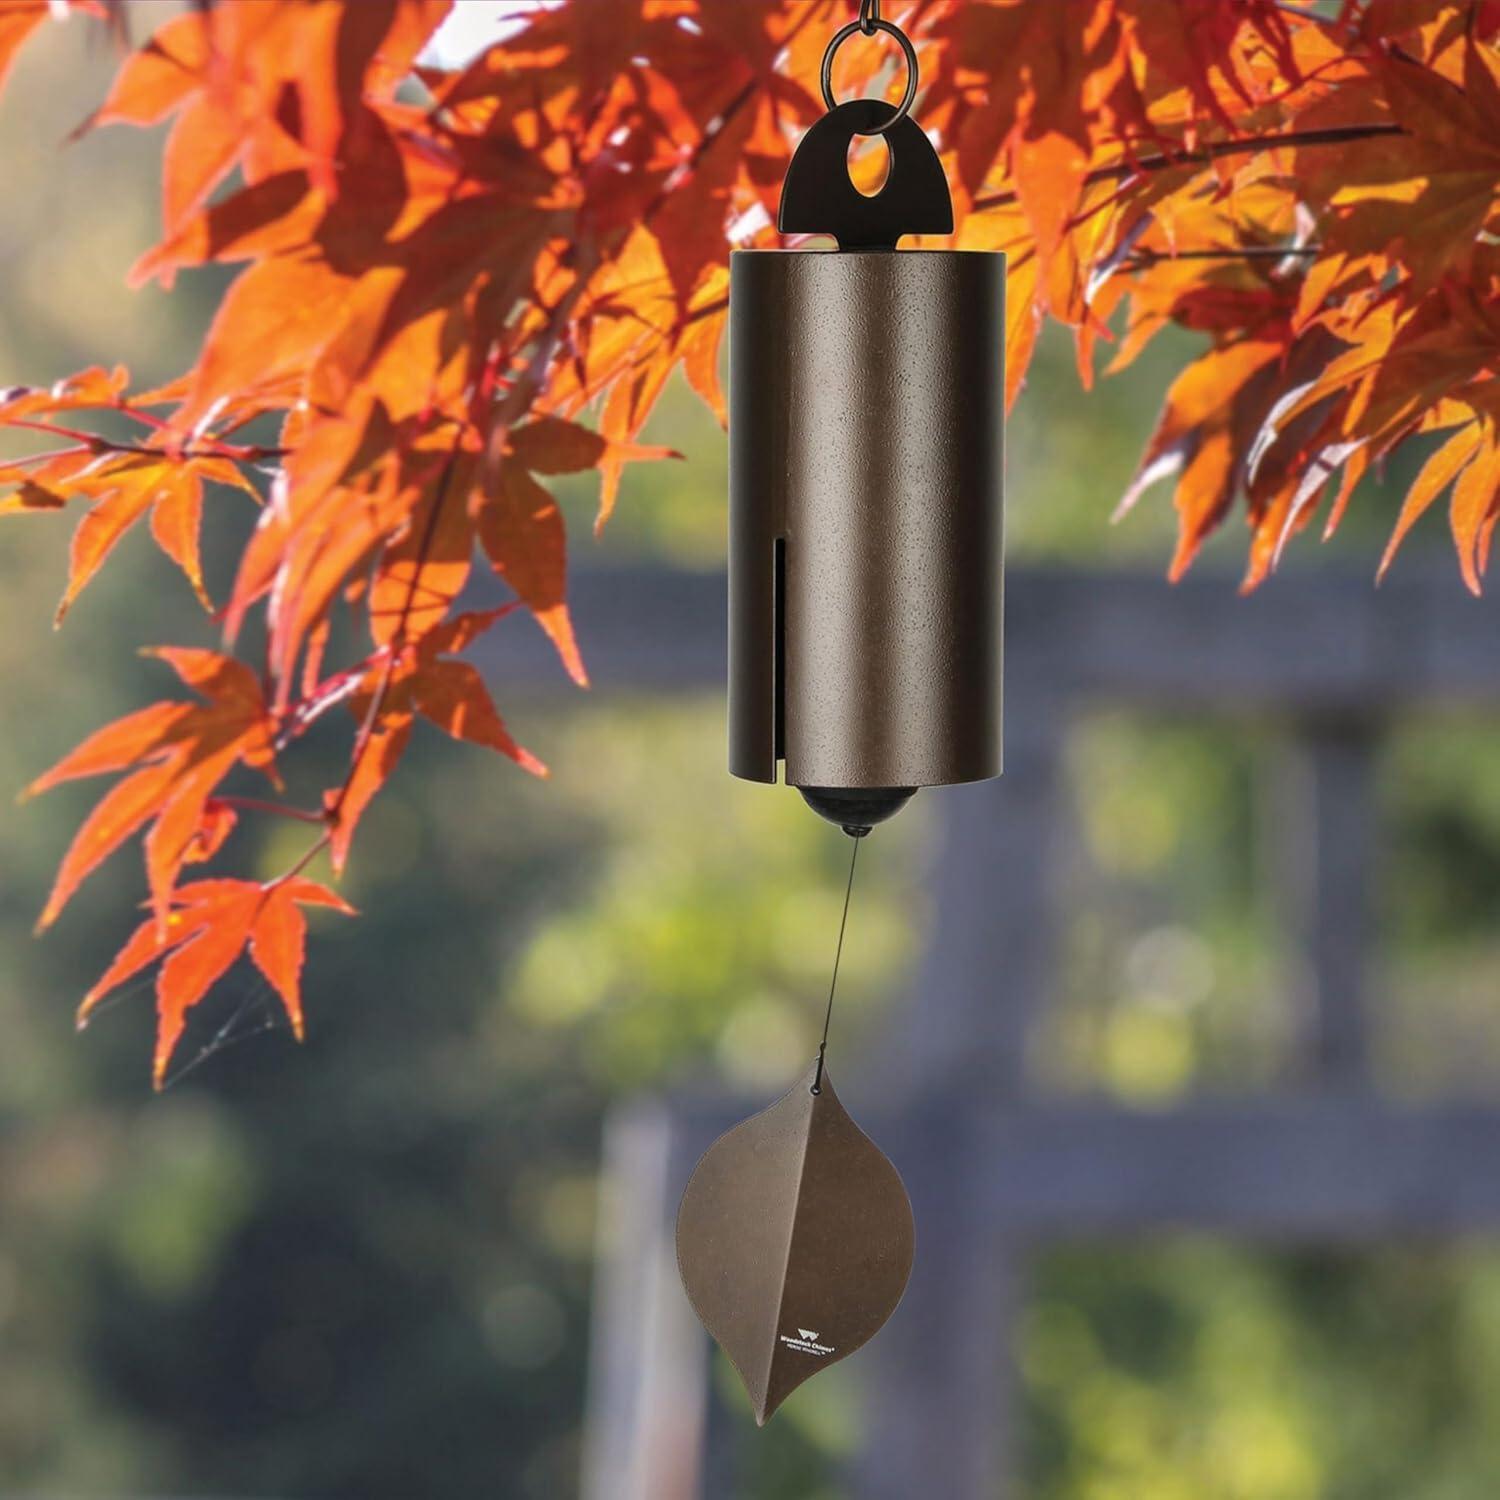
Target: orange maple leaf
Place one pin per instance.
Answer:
(210, 923)
(177, 753)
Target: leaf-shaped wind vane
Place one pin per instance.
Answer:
(794, 1241)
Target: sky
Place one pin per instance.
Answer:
(471, 26)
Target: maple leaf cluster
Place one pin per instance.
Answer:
(459, 283)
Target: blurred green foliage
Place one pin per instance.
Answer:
(1183, 1369)
(1170, 974)
(361, 1268)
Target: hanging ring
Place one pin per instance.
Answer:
(875, 24)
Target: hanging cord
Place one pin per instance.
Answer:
(838, 953)
(869, 16)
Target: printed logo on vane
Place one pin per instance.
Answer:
(806, 1342)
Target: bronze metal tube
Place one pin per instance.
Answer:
(866, 517)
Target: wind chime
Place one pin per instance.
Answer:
(865, 596)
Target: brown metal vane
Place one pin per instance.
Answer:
(794, 1241)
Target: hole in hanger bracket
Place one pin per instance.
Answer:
(870, 164)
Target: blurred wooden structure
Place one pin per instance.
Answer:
(993, 1164)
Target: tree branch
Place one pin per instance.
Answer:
(1142, 258)
(366, 732)
(1334, 135)
(398, 637)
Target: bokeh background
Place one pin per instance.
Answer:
(361, 1268)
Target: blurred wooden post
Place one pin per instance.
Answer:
(942, 1371)
(987, 958)
(940, 1414)
(647, 1394)
(1324, 827)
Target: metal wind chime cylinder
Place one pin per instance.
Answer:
(866, 446)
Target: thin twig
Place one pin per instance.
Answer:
(258, 804)
(46, 457)
(235, 452)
